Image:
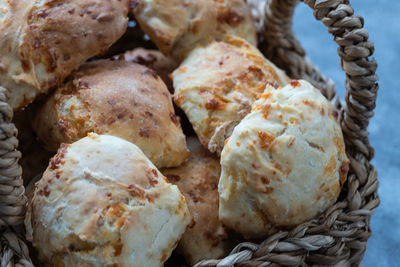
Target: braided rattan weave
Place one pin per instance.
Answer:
(337, 237)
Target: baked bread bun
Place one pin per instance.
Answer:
(118, 98)
(284, 163)
(42, 42)
(217, 84)
(178, 26)
(197, 179)
(101, 202)
(154, 60)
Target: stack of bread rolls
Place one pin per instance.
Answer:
(128, 185)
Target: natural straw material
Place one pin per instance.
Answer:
(337, 237)
(13, 251)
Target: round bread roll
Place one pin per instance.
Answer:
(101, 202)
(284, 163)
(155, 60)
(197, 179)
(178, 26)
(118, 98)
(42, 42)
(216, 85)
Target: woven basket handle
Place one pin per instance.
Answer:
(281, 46)
(13, 250)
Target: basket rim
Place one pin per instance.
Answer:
(340, 234)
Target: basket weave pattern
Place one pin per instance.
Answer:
(338, 236)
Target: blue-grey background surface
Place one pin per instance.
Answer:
(382, 20)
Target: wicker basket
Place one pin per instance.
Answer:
(337, 237)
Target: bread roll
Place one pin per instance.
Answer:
(197, 179)
(117, 98)
(101, 202)
(284, 163)
(154, 60)
(178, 26)
(42, 42)
(216, 85)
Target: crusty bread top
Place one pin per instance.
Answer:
(42, 42)
(118, 98)
(284, 163)
(101, 202)
(216, 85)
(197, 179)
(155, 60)
(178, 26)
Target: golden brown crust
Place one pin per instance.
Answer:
(284, 163)
(178, 26)
(118, 98)
(155, 60)
(42, 42)
(197, 179)
(101, 202)
(216, 85)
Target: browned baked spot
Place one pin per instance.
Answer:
(154, 171)
(193, 196)
(144, 132)
(266, 95)
(117, 248)
(174, 119)
(136, 191)
(335, 114)
(265, 180)
(46, 191)
(294, 83)
(322, 111)
(265, 110)
(214, 104)
(315, 146)
(257, 72)
(58, 158)
(330, 168)
(339, 145)
(26, 66)
(173, 178)
(266, 140)
(229, 17)
(343, 170)
(291, 141)
(152, 197)
(268, 190)
(308, 103)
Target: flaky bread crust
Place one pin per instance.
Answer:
(197, 179)
(178, 26)
(101, 202)
(118, 98)
(284, 163)
(42, 42)
(217, 84)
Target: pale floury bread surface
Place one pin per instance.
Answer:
(197, 179)
(101, 202)
(118, 98)
(284, 163)
(217, 84)
(42, 42)
(178, 26)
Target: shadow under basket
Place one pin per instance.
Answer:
(338, 236)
